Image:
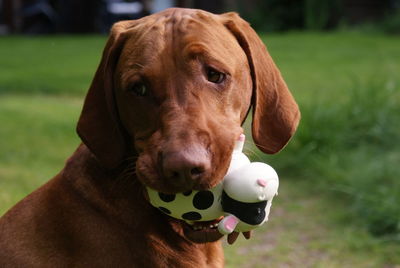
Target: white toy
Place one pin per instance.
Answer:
(244, 197)
(249, 207)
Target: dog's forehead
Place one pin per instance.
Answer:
(180, 33)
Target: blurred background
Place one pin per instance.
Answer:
(74, 16)
(339, 202)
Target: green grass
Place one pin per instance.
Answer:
(325, 65)
(50, 65)
(348, 89)
(339, 174)
(37, 135)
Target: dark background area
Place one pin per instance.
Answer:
(93, 16)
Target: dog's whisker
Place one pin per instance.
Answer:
(127, 175)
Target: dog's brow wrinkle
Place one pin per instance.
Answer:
(155, 27)
(195, 49)
(137, 65)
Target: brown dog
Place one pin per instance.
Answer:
(164, 110)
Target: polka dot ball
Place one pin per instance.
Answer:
(191, 205)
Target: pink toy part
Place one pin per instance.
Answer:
(261, 182)
(229, 223)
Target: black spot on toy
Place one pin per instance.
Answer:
(192, 216)
(187, 193)
(166, 197)
(203, 200)
(165, 210)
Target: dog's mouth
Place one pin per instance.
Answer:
(202, 231)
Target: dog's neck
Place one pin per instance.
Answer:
(117, 189)
(117, 192)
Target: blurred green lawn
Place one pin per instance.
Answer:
(313, 224)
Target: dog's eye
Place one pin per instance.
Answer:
(139, 89)
(215, 76)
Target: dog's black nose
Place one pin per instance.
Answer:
(186, 167)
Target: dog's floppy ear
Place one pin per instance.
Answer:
(98, 125)
(275, 112)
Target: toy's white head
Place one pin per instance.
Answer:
(252, 183)
(247, 197)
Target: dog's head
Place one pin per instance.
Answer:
(174, 88)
